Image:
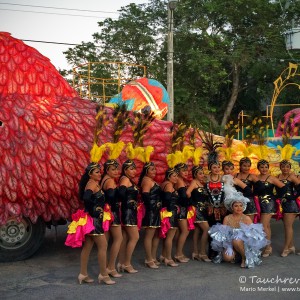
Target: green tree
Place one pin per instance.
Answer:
(227, 53)
(240, 35)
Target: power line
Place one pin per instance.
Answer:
(48, 13)
(62, 8)
(46, 42)
(273, 59)
(265, 59)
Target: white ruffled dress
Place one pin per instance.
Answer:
(252, 235)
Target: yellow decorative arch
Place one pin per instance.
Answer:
(279, 85)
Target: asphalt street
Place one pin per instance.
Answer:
(52, 274)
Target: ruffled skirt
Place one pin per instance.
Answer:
(252, 235)
(169, 219)
(81, 225)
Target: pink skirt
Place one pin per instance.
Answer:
(81, 225)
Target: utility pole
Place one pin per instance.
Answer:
(170, 55)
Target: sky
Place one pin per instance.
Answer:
(38, 20)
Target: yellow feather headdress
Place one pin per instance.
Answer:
(287, 151)
(180, 156)
(97, 152)
(228, 151)
(197, 155)
(115, 149)
(247, 150)
(140, 153)
(262, 151)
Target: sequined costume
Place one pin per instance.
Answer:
(183, 203)
(288, 201)
(170, 202)
(199, 199)
(252, 235)
(216, 210)
(94, 206)
(250, 209)
(152, 202)
(266, 197)
(128, 196)
(111, 197)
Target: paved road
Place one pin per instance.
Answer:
(52, 273)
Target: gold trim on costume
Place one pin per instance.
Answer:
(151, 226)
(95, 234)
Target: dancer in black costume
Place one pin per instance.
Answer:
(128, 193)
(199, 199)
(171, 210)
(109, 187)
(94, 201)
(264, 189)
(216, 211)
(151, 196)
(183, 202)
(289, 205)
(249, 179)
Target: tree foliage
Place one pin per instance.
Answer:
(226, 53)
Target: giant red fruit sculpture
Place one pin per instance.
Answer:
(45, 135)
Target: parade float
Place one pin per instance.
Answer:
(49, 132)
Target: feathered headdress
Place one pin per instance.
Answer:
(231, 194)
(262, 151)
(179, 157)
(211, 146)
(119, 115)
(115, 149)
(178, 135)
(97, 152)
(198, 152)
(287, 151)
(246, 149)
(228, 151)
(141, 153)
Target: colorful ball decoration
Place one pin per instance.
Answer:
(292, 119)
(144, 94)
